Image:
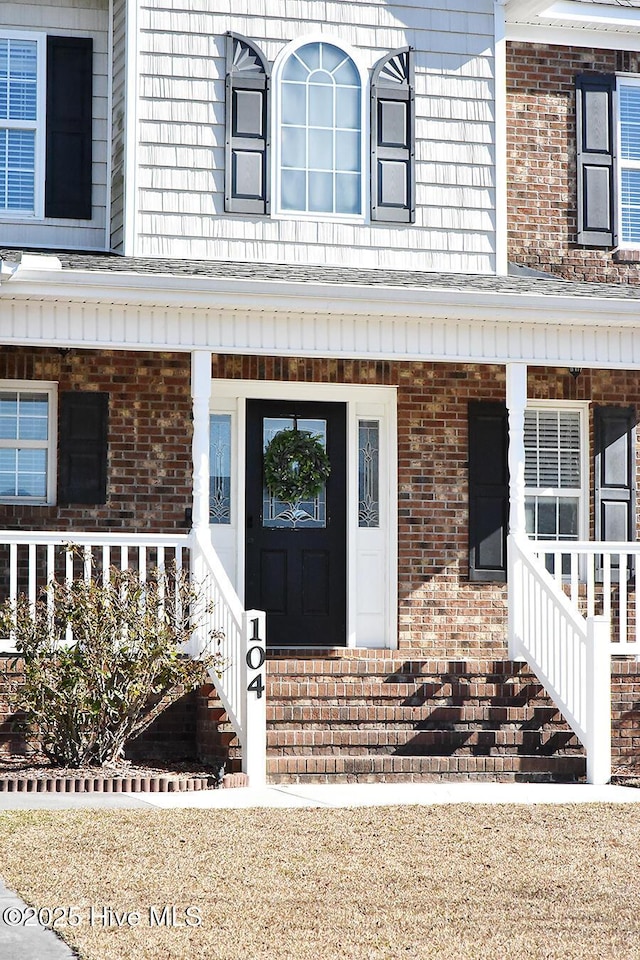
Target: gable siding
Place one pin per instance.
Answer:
(181, 130)
(80, 18)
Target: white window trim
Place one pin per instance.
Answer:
(582, 407)
(283, 56)
(51, 445)
(38, 125)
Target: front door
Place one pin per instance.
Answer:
(296, 550)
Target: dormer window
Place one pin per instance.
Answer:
(320, 132)
(323, 166)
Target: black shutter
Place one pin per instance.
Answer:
(488, 491)
(246, 173)
(614, 434)
(69, 133)
(594, 159)
(83, 447)
(393, 138)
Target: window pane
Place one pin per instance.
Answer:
(294, 190)
(18, 78)
(321, 192)
(310, 55)
(331, 57)
(347, 74)
(630, 122)
(630, 201)
(568, 518)
(321, 149)
(347, 151)
(348, 193)
(547, 526)
(552, 448)
(294, 149)
(8, 416)
(8, 461)
(368, 473)
(32, 473)
(348, 108)
(295, 70)
(294, 109)
(17, 166)
(33, 416)
(321, 105)
(220, 468)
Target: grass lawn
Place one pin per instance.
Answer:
(452, 882)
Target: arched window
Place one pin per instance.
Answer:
(320, 132)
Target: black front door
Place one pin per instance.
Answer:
(296, 551)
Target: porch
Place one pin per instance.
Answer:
(567, 688)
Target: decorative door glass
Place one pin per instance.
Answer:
(307, 514)
(220, 468)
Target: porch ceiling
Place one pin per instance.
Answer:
(106, 301)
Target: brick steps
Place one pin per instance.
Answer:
(369, 769)
(393, 716)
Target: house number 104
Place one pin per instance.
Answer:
(256, 656)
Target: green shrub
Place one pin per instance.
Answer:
(125, 664)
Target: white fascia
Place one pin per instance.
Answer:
(313, 299)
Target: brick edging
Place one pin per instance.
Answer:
(106, 784)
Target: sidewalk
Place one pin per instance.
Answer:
(329, 795)
(33, 942)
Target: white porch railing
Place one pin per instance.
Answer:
(28, 560)
(601, 578)
(569, 654)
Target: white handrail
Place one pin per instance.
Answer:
(568, 653)
(600, 578)
(32, 558)
(240, 683)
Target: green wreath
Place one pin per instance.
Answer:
(295, 465)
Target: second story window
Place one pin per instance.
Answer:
(19, 134)
(45, 126)
(320, 132)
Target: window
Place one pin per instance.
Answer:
(45, 126)
(555, 472)
(20, 139)
(317, 130)
(320, 132)
(27, 441)
(629, 161)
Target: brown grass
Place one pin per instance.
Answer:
(451, 882)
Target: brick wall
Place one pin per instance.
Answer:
(149, 472)
(542, 161)
(150, 463)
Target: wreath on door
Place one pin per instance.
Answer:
(295, 466)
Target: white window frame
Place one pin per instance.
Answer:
(276, 178)
(582, 408)
(50, 444)
(625, 80)
(38, 125)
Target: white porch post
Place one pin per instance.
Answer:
(516, 403)
(598, 700)
(200, 394)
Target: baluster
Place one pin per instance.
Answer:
(106, 564)
(32, 577)
(622, 598)
(575, 579)
(591, 559)
(606, 586)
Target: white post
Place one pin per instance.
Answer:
(516, 403)
(598, 700)
(200, 395)
(254, 696)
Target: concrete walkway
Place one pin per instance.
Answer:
(328, 795)
(33, 942)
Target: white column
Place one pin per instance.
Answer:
(598, 700)
(200, 395)
(516, 403)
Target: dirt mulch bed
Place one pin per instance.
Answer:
(21, 775)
